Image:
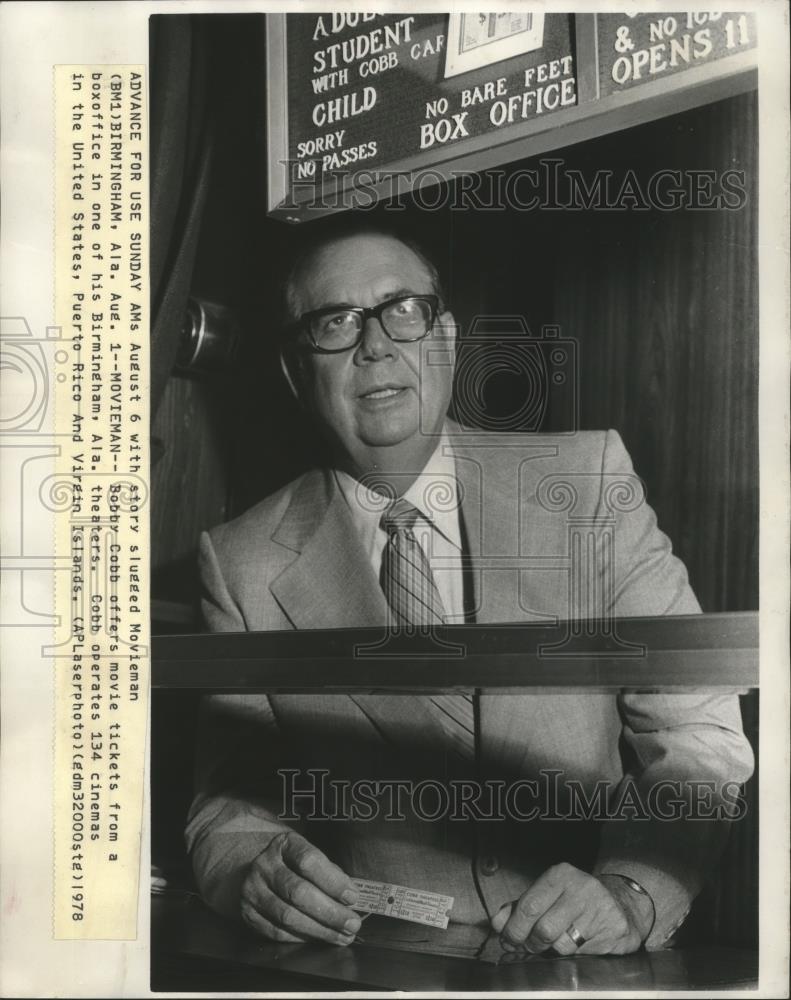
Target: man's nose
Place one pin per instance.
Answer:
(375, 344)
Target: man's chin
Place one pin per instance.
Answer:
(401, 442)
(388, 430)
(386, 438)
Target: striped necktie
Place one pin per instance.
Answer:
(408, 585)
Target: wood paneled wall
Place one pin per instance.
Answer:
(664, 305)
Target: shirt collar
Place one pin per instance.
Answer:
(434, 493)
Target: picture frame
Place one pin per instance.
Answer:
(478, 40)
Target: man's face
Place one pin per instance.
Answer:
(378, 394)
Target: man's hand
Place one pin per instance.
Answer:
(601, 910)
(293, 892)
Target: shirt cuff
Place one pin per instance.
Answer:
(672, 900)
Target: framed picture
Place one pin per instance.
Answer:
(477, 40)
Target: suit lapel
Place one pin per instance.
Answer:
(331, 582)
(491, 513)
(498, 478)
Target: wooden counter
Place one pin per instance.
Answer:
(193, 949)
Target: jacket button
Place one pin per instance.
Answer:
(489, 864)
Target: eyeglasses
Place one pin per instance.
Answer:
(340, 328)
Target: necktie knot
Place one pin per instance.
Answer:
(399, 516)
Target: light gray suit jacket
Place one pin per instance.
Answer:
(294, 561)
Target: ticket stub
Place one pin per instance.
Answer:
(402, 903)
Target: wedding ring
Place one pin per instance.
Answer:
(575, 935)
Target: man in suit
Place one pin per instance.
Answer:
(416, 521)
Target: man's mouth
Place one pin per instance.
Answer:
(383, 392)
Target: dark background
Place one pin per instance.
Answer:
(663, 306)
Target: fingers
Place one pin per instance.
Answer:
(500, 919)
(613, 934)
(575, 936)
(531, 907)
(305, 859)
(551, 930)
(282, 896)
(280, 922)
(566, 899)
(303, 896)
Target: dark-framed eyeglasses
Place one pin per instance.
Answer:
(405, 319)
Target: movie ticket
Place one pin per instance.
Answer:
(402, 903)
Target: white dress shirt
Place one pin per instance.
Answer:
(435, 495)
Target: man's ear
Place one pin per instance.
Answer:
(449, 327)
(291, 368)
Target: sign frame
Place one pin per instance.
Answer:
(589, 118)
